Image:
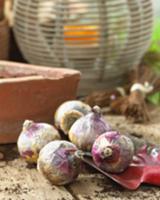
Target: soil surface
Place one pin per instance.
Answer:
(19, 181)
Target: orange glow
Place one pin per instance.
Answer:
(81, 34)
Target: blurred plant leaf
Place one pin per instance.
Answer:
(155, 45)
(154, 98)
(152, 57)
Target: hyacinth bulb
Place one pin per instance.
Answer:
(87, 128)
(113, 152)
(58, 163)
(68, 112)
(33, 137)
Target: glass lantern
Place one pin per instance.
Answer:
(101, 38)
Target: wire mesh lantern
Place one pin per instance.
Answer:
(101, 38)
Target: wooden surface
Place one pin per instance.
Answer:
(18, 181)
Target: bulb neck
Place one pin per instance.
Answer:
(107, 152)
(143, 88)
(97, 111)
(27, 124)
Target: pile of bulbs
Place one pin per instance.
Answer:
(87, 131)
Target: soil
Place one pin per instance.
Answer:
(19, 181)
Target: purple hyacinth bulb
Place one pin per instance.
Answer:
(113, 152)
(85, 130)
(58, 163)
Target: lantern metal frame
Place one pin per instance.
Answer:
(101, 38)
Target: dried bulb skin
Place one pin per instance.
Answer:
(33, 137)
(135, 108)
(113, 152)
(86, 129)
(58, 163)
(102, 98)
(68, 112)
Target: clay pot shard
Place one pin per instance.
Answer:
(32, 92)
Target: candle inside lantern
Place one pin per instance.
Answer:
(81, 34)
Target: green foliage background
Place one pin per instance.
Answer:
(152, 58)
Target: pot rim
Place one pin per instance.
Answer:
(60, 73)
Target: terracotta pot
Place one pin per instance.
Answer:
(4, 40)
(31, 92)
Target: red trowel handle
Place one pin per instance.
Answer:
(152, 175)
